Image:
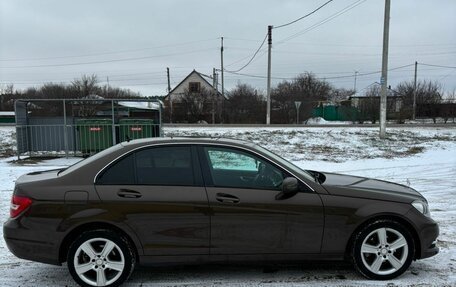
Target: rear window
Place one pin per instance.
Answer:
(90, 159)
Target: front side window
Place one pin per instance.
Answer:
(235, 168)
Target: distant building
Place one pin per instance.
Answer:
(394, 101)
(195, 82)
(194, 99)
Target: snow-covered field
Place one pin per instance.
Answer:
(424, 158)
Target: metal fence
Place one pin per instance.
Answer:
(78, 140)
(42, 135)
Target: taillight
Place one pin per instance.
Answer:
(18, 205)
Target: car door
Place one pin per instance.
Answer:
(158, 192)
(246, 216)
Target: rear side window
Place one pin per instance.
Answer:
(121, 172)
(152, 166)
(165, 166)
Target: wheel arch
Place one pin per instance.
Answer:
(394, 217)
(75, 232)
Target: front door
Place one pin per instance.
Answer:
(159, 193)
(246, 217)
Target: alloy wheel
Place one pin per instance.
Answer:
(384, 251)
(99, 262)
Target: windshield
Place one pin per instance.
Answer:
(90, 159)
(286, 163)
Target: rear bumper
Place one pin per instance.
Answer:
(34, 246)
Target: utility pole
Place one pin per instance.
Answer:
(268, 92)
(354, 86)
(169, 98)
(221, 69)
(214, 85)
(384, 78)
(169, 83)
(414, 92)
(107, 87)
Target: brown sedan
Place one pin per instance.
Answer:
(179, 201)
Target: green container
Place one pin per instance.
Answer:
(7, 120)
(131, 129)
(336, 113)
(94, 134)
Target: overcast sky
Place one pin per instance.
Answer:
(132, 42)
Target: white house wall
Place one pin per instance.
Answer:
(180, 90)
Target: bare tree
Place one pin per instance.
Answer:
(369, 105)
(449, 106)
(428, 98)
(85, 88)
(339, 95)
(194, 106)
(86, 85)
(246, 105)
(305, 88)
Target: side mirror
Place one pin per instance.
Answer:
(290, 187)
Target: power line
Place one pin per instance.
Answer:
(353, 45)
(445, 76)
(257, 76)
(322, 78)
(108, 53)
(333, 16)
(253, 57)
(319, 76)
(440, 66)
(305, 16)
(360, 54)
(106, 61)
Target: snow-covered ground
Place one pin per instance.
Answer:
(424, 158)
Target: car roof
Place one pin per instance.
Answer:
(189, 140)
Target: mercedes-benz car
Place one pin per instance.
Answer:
(193, 200)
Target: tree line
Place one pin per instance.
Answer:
(85, 87)
(245, 104)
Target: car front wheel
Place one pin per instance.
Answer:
(100, 258)
(383, 250)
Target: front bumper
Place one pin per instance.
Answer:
(428, 237)
(34, 246)
(428, 231)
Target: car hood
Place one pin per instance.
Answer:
(355, 186)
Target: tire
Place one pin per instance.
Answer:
(91, 265)
(383, 250)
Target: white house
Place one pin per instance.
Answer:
(194, 83)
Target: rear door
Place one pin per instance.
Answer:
(159, 193)
(246, 217)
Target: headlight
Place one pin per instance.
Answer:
(422, 207)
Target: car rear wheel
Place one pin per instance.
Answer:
(383, 250)
(101, 258)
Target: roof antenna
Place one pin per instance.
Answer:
(128, 139)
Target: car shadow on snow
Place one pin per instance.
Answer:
(311, 273)
(215, 274)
